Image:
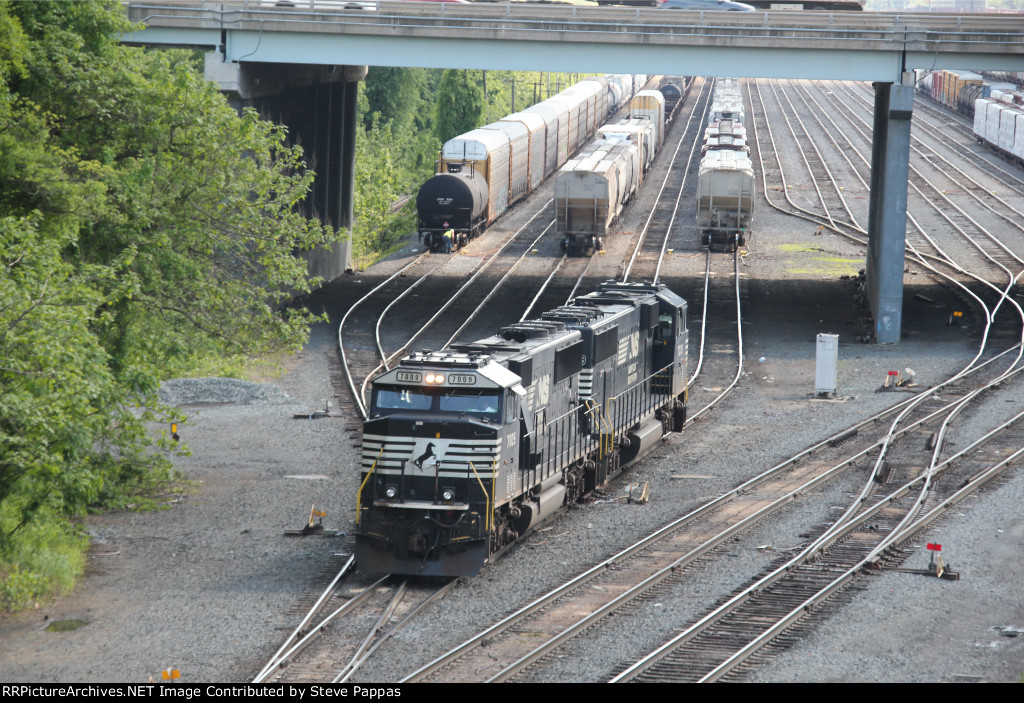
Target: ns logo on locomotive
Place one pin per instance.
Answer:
(467, 449)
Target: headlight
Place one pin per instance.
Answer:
(391, 492)
(448, 495)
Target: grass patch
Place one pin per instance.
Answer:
(364, 261)
(820, 263)
(41, 559)
(44, 557)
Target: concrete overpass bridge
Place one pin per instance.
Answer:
(302, 60)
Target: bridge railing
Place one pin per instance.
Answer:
(1002, 34)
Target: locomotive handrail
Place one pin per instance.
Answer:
(359, 493)
(581, 442)
(488, 499)
(642, 381)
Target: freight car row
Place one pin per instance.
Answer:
(481, 173)
(725, 181)
(997, 106)
(592, 189)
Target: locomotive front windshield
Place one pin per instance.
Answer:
(388, 400)
(460, 401)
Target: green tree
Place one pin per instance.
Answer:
(395, 94)
(144, 224)
(460, 104)
(379, 186)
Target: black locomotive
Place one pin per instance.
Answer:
(469, 448)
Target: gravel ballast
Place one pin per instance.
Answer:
(208, 584)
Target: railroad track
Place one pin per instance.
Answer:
(952, 408)
(720, 643)
(958, 201)
(508, 669)
(666, 226)
(332, 648)
(509, 647)
(546, 626)
(720, 352)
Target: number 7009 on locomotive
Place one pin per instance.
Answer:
(467, 449)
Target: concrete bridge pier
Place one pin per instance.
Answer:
(318, 105)
(887, 219)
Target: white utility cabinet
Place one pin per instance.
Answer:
(826, 374)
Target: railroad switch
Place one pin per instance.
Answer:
(942, 573)
(936, 567)
(638, 494)
(314, 526)
(895, 379)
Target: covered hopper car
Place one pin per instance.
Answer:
(725, 178)
(592, 189)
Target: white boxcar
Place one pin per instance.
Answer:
(487, 151)
(519, 157)
(650, 105)
(1007, 129)
(537, 128)
(556, 144)
(1018, 145)
(581, 102)
(980, 115)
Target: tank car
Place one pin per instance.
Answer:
(468, 449)
(674, 89)
(504, 161)
(454, 199)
